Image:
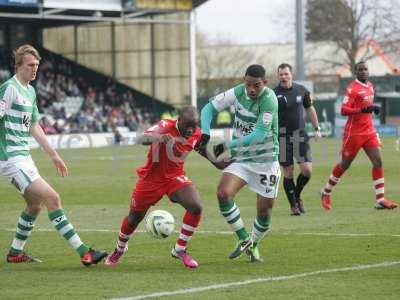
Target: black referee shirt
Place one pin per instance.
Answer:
(291, 107)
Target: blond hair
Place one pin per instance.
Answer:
(23, 50)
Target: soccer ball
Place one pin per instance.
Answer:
(159, 224)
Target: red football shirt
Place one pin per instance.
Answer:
(166, 160)
(357, 96)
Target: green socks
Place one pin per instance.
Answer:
(65, 228)
(231, 213)
(24, 229)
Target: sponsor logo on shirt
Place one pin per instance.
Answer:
(244, 127)
(26, 121)
(368, 98)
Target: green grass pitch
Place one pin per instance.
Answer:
(305, 257)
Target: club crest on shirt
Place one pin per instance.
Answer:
(282, 97)
(368, 98)
(299, 99)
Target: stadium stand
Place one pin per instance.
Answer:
(74, 99)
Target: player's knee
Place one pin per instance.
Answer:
(345, 164)
(196, 208)
(377, 163)
(134, 218)
(288, 172)
(34, 208)
(53, 201)
(306, 173)
(223, 195)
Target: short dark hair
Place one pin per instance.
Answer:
(285, 65)
(190, 111)
(255, 70)
(361, 62)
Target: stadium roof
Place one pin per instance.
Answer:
(62, 12)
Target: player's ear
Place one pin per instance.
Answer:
(265, 81)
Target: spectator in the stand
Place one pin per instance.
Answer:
(47, 127)
(131, 123)
(104, 104)
(4, 75)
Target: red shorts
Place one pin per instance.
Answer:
(352, 144)
(147, 193)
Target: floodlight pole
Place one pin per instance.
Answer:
(300, 72)
(192, 51)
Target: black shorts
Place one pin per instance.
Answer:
(294, 146)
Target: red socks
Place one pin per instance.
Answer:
(190, 223)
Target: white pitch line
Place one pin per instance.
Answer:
(230, 232)
(259, 280)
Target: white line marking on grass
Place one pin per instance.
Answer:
(259, 280)
(346, 234)
(230, 232)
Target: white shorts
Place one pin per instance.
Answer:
(261, 178)
(21, 171)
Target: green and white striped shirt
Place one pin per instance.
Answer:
(261, 113)
(18, 110)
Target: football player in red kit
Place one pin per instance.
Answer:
(164, 174)
(359, 132)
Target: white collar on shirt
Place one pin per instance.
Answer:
(19, 83)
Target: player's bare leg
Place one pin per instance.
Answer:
(375, 156)
(40, 192)
(189, 197)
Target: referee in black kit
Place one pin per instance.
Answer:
(294, 100)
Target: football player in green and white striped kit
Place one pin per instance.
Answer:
(254, 148)
(18, 122)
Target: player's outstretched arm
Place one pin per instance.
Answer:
(150, 138)
(202, 150)
(41, 138)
